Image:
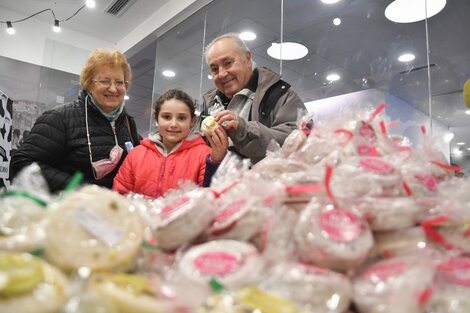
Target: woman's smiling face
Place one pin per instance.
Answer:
(108, 87)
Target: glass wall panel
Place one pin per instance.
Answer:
(353, 39)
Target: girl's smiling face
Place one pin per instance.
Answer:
(174, 122)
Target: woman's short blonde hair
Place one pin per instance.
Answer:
(100, 57)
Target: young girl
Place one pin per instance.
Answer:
(171, 155)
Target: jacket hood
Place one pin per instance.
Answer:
(154, 142)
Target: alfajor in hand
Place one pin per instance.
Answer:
(208, 125)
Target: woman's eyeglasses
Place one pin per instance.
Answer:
(107, 83)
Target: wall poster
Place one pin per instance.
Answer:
(6, 117)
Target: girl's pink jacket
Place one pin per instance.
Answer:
(147, 171)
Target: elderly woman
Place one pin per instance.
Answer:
(91, 135)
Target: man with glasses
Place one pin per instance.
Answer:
(252, 103)
(91, 135)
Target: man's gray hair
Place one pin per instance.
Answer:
(241, 45)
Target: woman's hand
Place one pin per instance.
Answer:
(218, 140)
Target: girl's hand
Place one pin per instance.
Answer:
(218, 140)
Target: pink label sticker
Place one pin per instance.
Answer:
(230, 210)
(364, 150)
(216, 263)
(383, 271)
(366, 131)
(340, 224)
(312, 269)
(429, 181)
(376, 165)
(174, 206)
(457, 271)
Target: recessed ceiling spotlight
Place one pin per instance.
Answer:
(287, 50)
(467, 112)
(126, 97)
(336, 21)
(409, 11)
(406, 57)
(168, 73)
(247, 35)
(448, 137)
(460, 143)
(330, 1)
(333, 77)
(210, 77)
(90, 3)
(457, 152)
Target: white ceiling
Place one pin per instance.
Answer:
(362, 47)
(93, 22)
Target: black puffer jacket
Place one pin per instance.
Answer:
(58, 143)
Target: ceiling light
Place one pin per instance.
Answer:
(168, 73)
(467, 112)
(336, 21)
(333, 77)
(210, 77)
(448, 137)
(10, 29)
(406, 57)
(90, 4)
(329, 1)
(56, 27)
(457, 152)
(409, 11)
(126, 97)
(247, 36)
(287, 51)
(460, 143)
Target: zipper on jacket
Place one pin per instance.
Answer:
(162, 175)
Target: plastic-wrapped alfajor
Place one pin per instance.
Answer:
(311, 288)
(366, 176)
(387, 213)
(399, 284)
(22, 221)
(96, 228)
(332, 236)
(237, 219)
(233, 263)
(451, 293)
(183, 218)
(128, 293)
(30, 285)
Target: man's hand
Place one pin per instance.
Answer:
(228, 119)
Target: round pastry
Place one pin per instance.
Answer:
(393, 285)
(96, 228)
(130, 293)
(239, 220)
(332, 237)
(233, 263)
(388, 213)
(366, 176)
(293, 143)
(183, 219)
(389, 243)
(29, 284)
(452, 292)
(208, 124)
(22, 223)
(318, 290)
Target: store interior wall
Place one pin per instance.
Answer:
(363, 50)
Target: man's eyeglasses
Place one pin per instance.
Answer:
(107, 83)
